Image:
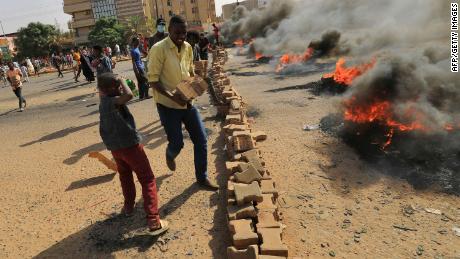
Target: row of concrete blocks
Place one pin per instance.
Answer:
(253, 215)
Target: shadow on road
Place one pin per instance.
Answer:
(61, 133)
(116, 233)
(91, 181)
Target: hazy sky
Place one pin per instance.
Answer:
(15, 14)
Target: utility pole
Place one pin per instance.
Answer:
(4, 35)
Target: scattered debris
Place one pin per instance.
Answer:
(332, 253)
(404, 228)
(419, 250)
(307, 127)
(433, 211)
(408, 210)
(456, 231)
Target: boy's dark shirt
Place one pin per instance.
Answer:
(117, 126)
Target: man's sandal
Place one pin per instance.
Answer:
(164, 226)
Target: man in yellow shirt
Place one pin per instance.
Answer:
(170, 62)
(76, 66)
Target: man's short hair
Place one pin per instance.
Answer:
(98, 48)
(176, 20)
(106, 80)
(135, 39)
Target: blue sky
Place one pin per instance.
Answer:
(15, 14)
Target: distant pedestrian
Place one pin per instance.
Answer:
(25, 72)
(120, 136)
(76, 63)
(101, 62)
(117, 51)
(56, 61)
(37, 66)
(193, 37)
(139, 70)
(216, 34)
(160, 34)
(109, 51)
(85, 62)
(14, 76)
(204, 46)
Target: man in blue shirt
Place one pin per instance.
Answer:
(139, 69)
(101, 62)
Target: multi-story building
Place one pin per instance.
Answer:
(227, 9)
(86, 12)
(200, 14)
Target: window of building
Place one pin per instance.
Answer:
(192, 1)
(77, 34)
(169, 3)
(194, 9)
(171, 13)
(104, 8)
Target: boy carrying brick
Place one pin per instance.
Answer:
(119, 134)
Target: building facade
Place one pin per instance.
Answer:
(200, 14)
(227, 9)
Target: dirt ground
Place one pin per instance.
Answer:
(59, 203)
(333, 203)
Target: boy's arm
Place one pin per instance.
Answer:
(126, 94)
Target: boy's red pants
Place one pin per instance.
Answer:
(134, 159)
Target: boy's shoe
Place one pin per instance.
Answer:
(21, 109)
(208, 185)
(25, 104)
(171, 163)
(157, 228)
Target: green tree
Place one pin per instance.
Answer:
(35, 39)
(107, 31)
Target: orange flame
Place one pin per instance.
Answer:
(258, 55)
(381, 112)
(344, 75)
(290, 58)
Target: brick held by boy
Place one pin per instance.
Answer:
(120, 136)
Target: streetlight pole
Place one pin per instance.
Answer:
(4, 35)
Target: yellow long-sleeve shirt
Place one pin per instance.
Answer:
(169, 67)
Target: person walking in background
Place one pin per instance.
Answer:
(170, 62)
(76, 63)
(118, 132)
(101, 62)
(37, 66)
(85, 62)
(25, 72)
(56, 61)
(139, 70)
(117, 51)
(216, 34)
(204, 46)
(193, 37)
(160, 34)
(14, 76)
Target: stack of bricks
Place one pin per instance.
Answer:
(201, 68)
(253, 215)
(192, 87)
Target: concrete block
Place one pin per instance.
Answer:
(243, 142)
(242, 233)
(247, 193)
(230, 188)
(248, 176)
(231, 128)
(271, 242)
(252, 252)
(268, 187)
(267, 203)
(241, 212)
(233, 167)
(253, 157)
(267, 219)
(233, 119)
